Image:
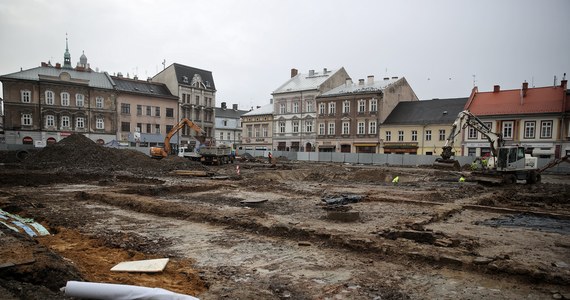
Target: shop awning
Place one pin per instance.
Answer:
(366, 145)
(401, 146)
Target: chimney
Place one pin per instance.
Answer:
(324, 71)
(386, 78)
(395, 77)
(370, 79)
(564, 83)
(360, 81)
(136, 77)
(258, 107)
(348, 81)
(58, 66)
(496, 88)
(311, 72)
(294, 72)
(524, 88)
(44, 64)
(224, 105)
(235, 106)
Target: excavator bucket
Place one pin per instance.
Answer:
(452, 164)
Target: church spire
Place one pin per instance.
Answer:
(66, 55)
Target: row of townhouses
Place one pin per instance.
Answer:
(327, 112)
(322, 111)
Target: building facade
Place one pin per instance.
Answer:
(228, 128)
(349, 116)
(46, 104)
(536, 118)
(257, 128)
(147, 111)
(295, 108)
(196, 94)
(421, 127)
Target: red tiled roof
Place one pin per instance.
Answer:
(507, 102)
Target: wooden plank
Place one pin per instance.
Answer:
(149, 265)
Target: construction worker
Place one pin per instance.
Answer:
(396, 180)
(462, 179)
(269, 157)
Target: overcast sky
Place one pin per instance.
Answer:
(250, 46)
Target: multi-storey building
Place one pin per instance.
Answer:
(533, 117)
(348, 116)
(147, 111)
(421, 127)
(228, 125)
(257, 128)
(47, 103)
(294, 108)
(196, 94)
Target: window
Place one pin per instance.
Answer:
(442, 134)
(170, 112)
(296, 107)
(148, 128)
(221, 136)
(49, 98)
(331, 128)
(546, 129)
(157, 128)
(361, 106)
(65, 122)
(169, 128)
(282, 108)
(249, 131)
(99, 102)
(126, 126)
(332, 108)
(148, 110)
(256, 131)
(264, 130)
(414, 135)
(157, 112)
(309, 126)
(529, 129)
(99, 123)
(79, 100)
(225, 122)
(345, 128)
(26, 96)
(309, 106)
(373, 105)
(360, 128)
(321, 128)
(125, 108)
(508, 130)
(428, 135)
(229, 135)
(65, 99)
(400, 135)
(282, 127)
(50, 121)
(197, 100)
(80, 122)
(139, 110)
(471, 133)
(27, 119)
(321, 108)
(372, 127)
(388, 136)
(346, 107)
(296, 126)
(139, 127)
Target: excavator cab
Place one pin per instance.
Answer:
(159, 152)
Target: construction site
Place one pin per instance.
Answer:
(254, 229)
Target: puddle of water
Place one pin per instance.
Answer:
(531, 222)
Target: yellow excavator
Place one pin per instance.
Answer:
(161, 152)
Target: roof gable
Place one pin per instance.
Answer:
(365, 88)
(304, 82)
(508, 102)
(188, 76)
(263, 110)
(437, 111)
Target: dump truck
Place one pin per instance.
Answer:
(216, 155)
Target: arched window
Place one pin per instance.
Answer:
(51, 141)
(49, 98)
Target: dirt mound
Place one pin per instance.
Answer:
(79, 153)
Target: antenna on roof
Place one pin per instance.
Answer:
(164, 64)
(474, 80)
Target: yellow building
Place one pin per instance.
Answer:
(421, 127)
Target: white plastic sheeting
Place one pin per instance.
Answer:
(108, 291)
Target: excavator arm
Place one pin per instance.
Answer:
(157, 152)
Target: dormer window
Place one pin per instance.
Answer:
(185, 79)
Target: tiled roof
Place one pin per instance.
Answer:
(96, 79)
(229, 113)
(508, 102)
(355, 88)
(183, 71)
(142, 87)
(304, 82)
(437, 111)
(264, 110)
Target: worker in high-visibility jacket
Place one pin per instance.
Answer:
(462, 179)
(396, 180)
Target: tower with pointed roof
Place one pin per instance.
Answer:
(67, 56)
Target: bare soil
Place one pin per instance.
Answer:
(429, 237)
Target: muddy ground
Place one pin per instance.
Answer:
(319, 231)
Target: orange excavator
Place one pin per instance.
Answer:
(161, 152)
